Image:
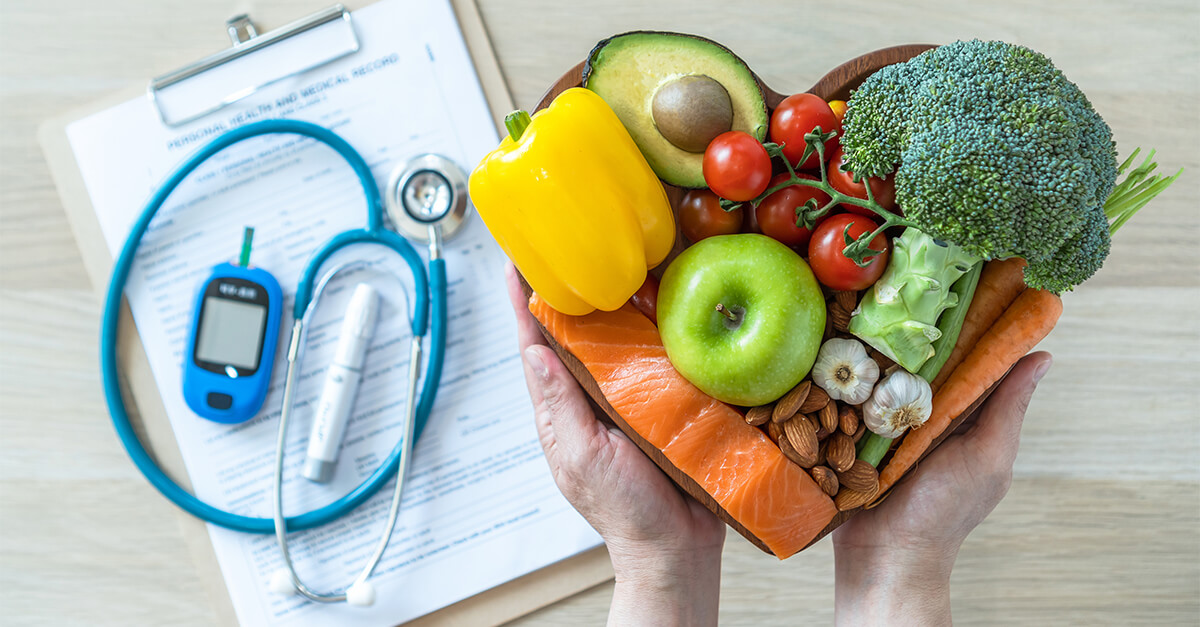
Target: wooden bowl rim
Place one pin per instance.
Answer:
(835, 84)
(831, 84)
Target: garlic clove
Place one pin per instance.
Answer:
(845, 371)
(901, 401)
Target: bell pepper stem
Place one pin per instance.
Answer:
(516, 123)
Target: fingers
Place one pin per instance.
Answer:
(997, 432)
(560, 399)
(574, 440)
(562, 413)
(528, 333)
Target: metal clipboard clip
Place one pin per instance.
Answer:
(211, 84)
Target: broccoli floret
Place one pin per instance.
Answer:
(1076, 260)
(993, 150)
(996, 154)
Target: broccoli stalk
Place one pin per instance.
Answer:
(899, 314)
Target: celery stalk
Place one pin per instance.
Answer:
(951, 323)
(872, 448)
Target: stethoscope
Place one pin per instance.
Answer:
(426, 200)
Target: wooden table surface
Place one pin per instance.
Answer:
(1102, 525)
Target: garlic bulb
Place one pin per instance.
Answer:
(900, 401)
(844, 370)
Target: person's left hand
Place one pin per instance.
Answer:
(893, 562)
(661, 541)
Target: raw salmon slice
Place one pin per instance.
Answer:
(706, 439)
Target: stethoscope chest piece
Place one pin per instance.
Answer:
(427, 199)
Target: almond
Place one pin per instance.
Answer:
(861, 476)
(757, 416)
(821, 452)
(803, 438)
(848, 300)
(826, 479)
(816, 399)
(790, 452)
(840, 454)
(848, 499)
(774, 431)
(840, 317)
(848, 420)
(829, 416)
(822, 433)
(791, 402)
(860, 432)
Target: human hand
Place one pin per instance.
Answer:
(893, 562)
(665, 547)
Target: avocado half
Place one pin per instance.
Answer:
(627, 70)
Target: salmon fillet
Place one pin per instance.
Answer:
(708, 440)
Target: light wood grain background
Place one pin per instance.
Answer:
(1102, 525)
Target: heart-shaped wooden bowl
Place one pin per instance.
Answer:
(835, 85)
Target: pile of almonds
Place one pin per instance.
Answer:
(818, 433)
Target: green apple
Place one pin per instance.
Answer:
(741, 317)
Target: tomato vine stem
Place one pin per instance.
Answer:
(857, 249)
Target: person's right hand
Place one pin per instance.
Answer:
(893, 562)
(665, 547)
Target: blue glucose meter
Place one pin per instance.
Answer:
(231, 344)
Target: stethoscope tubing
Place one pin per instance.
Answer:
(430, 293)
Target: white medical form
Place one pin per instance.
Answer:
(480, 508)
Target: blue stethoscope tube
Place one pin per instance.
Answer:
(429, 313)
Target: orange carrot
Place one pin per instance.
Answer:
(1019, 329)
(999, 285)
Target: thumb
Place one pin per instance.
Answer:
(997, 433)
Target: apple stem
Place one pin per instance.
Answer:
(724, 311)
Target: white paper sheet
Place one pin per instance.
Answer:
(480, 507)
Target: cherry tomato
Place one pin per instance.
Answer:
(884, 190)
(798, 115)
(736, 166)
(645, 299)
(750, 222)
(701, 216)
(833, 269)
(777, 213)
(839, 110)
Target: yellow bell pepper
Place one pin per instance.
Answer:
(573, 203)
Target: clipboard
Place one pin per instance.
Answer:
(500, 604)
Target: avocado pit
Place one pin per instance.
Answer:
(689, 111)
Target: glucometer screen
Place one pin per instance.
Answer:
(231, 332)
